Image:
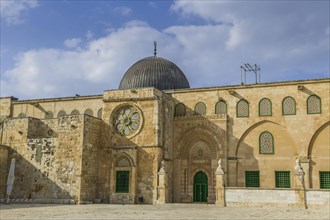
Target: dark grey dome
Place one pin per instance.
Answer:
(154, 72)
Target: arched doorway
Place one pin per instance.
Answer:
(200, 193)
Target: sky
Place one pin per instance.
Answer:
(61, 48)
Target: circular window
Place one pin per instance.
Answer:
(127, 121)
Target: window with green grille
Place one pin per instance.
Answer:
(282, 179)
(122, 181)
(252, 179)
(325, 179)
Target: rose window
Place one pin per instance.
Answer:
(127, 121)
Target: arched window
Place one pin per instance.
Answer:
(61, 113)
(49, 114)
(200, 109)
(180, 110)
(242, 109)
(266, 143)
(288, 106)
(88, 112)
(21, 115)
(313, 105)
(265, 107)
(99, 113)
(75, 112)
(221, 107)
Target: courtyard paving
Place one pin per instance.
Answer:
(168, 211)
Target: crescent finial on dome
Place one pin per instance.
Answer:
(155, 48)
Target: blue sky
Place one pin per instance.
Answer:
(62, 48)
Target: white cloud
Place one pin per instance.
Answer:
(72, 43)
(123, 10)
(89, 35)
(12, 11)
(288, 45)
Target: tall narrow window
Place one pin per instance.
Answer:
(265, 107)
(282, 179)
(242, 109)
(288, 106)
(99, 113)
(180, 110)
(221, 107)
(313, 105)
(325, 179)
(266, 143)
(200, 108)
(122, 182)
(88, 112)
(252, 179)
(61, 113)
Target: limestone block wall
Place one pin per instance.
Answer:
(317, 198)
(261, 197)
(4, 167)
(90, 157)
(48, 164)
(5, 106)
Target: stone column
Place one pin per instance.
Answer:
(299, 184)
(220, 186)
(161, 188)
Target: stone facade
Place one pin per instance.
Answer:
(76, 148)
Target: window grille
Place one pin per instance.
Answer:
(242, 109)
(252, 179)
(325, 179)
(288, 106)
(180, 110)
(200, 109)
(265, 107)
(221, 108)
(266, 143)
(282, 179)
(122, 182)
(313, 105)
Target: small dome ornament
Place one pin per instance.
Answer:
(128, 121)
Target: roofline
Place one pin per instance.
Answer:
(246, 86)
(68, 98)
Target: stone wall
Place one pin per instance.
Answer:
(275, 197)
(4, 167)
(317, 198)
(48, 152)
(90, 157)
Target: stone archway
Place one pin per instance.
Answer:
(198, 152)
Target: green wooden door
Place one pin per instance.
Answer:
(200, 187)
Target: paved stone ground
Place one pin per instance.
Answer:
(168, 211)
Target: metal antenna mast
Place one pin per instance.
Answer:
(248, 68)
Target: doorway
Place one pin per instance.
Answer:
(200, 193)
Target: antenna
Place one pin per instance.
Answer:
(155, 48)
(248, 68)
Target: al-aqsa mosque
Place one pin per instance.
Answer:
(155, 140)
